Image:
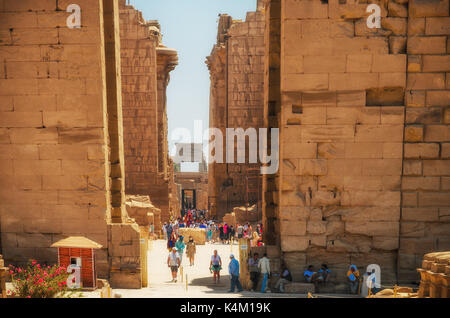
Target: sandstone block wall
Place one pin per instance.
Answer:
(126, 256)
(146, 64)
(139, 40)
(237, 97)
(425, 225)
(53, 130)
(141, 209)
(363, 133)
(62, 161)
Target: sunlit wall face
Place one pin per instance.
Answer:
(190, 27)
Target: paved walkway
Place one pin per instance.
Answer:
(200, 282)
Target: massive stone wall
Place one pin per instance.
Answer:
(425, 225)
(62, 153)
(237, 96)
(53, 130)
(146, 64)
(139, 40)
(362, 125)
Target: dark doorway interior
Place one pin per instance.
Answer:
(189, 198)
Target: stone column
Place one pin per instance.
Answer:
(244, 275)
(167, 60)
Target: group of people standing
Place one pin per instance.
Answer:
(215, 232)
(226, 234)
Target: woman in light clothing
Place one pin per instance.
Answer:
(215, 266)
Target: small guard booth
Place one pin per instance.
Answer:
(77, 253)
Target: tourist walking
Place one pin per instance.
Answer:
(164, 228)
(226, 233)
(240, 231)
(254, 270)
(191, 249)
(254, 241)
(215, 266)
(180, 246)
(264, 268)
(171, 242)
(173, 262)
(221, 233)
(233, 269)
(169, 230)
(232, 234)
(209, 233)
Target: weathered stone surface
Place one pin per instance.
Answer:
(146, 64)
(381, 166)
(237, 101)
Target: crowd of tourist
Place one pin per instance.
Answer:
(216, 232)
(223, 233)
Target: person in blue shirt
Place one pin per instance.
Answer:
(323, 274)
(233, 269)
(309, 274)
(353, 279)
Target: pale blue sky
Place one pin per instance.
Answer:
(190, 26)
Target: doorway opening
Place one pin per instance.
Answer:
(189, 199)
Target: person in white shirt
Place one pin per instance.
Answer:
(215, 266)
(173, 262)
(264, 268)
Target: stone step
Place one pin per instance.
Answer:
(299, 288)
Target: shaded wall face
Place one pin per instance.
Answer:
(354, 187)
(52, 128)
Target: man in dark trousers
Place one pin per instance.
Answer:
(254, 271)
(233, 269)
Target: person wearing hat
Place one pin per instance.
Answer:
(173, 262)
(233, 269)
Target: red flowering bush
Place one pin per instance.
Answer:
(38, 281)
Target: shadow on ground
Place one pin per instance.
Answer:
(225, 285)
(208, 282)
